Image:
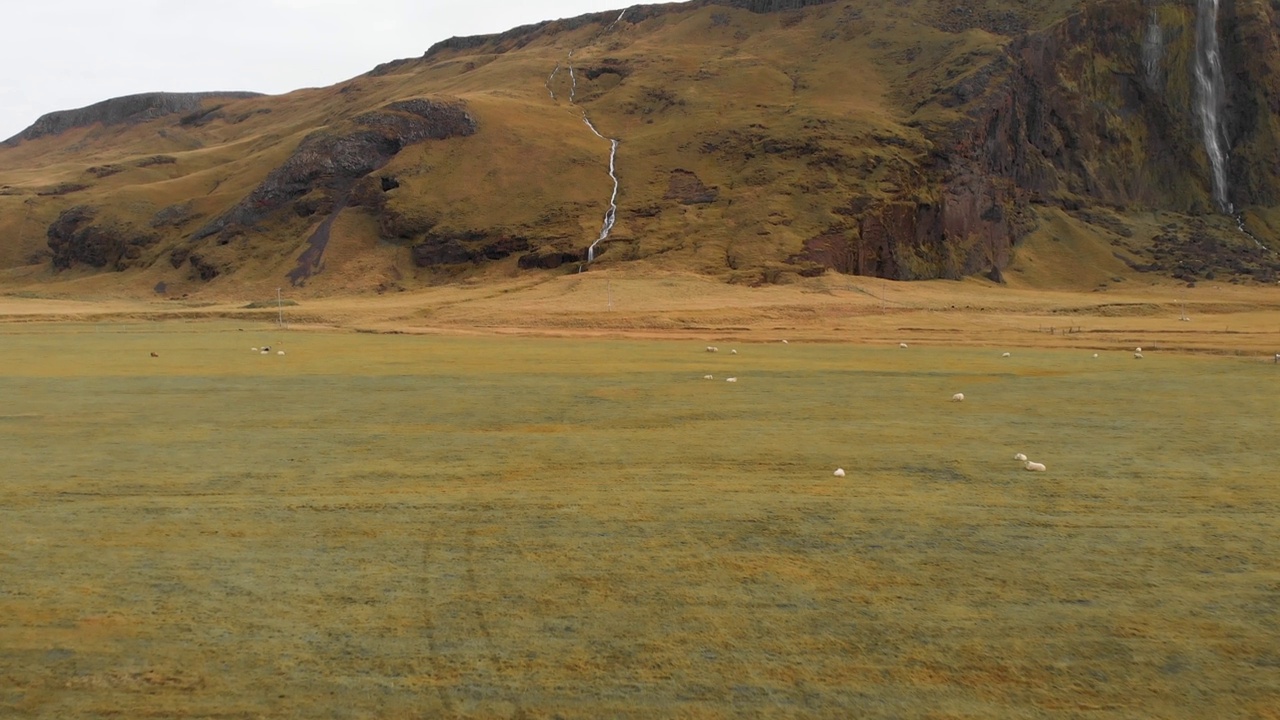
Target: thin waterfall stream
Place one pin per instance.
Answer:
(1210, 84)
(1210, 93)
(610, 215)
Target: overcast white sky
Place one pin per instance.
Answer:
(63, 54)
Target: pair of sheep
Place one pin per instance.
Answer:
(1028, 464)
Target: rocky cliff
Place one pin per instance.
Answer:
(127, 110)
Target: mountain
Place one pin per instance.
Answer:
(756, 140)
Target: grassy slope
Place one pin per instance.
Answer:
(532, 157)
(850, 79)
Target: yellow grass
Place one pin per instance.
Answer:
(479, 525)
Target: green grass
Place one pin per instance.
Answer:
(399, 526)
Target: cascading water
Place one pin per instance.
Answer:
(1153, 50)
(573, 80)
(615, 21)
(611, 215)
(552, 79)
(1210, 93)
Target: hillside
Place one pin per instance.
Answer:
(757, 142)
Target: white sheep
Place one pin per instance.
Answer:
(958, 397)
(708, 377)
(279, 352)
(712, 348)
(839, 472)
(1095, 355)
(1034, 466)
(1020, 457)
(733, 352)
(1137, 350)
(784, 342)
(1005, 355)
(732, 379)
(265, 352)
(253, 349)
(1137, 356)
(902, 345)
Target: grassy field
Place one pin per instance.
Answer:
(394, 526)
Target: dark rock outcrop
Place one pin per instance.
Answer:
(458, 248)
(686, 188)
(157, 160)
(127, 110)
(334, 162)
(75, 237)
(549, 259)
(174, 216)
(204, 268)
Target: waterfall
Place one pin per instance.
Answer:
(1210, 93)
(1153, 50)
(552, 79)
(611, 214)
(615, 22)
(573, 80)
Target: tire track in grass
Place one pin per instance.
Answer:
(435, 657)
(482, 625)
(464, 656)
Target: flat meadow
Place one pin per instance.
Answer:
(399, 526)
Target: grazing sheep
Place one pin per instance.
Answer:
(958, 397)
(266, 348)
(733, 352)
(711, 348)
(839, 472)
(1095, 355)
(1005, 355)
(1020, 457)
(1137, 356)
(902, 345)
(253, 349)
(784, 342)
(1034, 466)
(732, 379)
(1137, 350)
(708, 377)
(279, 352)
(155, 354)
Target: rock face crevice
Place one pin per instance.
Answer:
(127, 110)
